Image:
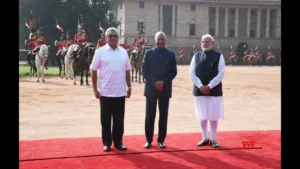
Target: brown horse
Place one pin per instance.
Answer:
(232, 59)
(136, 63)
(270, 60)
(252, 60)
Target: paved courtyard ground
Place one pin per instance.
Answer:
(58, 109)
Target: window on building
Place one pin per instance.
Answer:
(253, 12)
(140, 26)
(231, 33)
(252, 33)
(212, 32)
(192, 29)
(232, 11)
(193, 7)
(141, 4)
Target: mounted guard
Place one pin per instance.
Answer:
(80, 38)
(137, 44)
(125, 45)
(39, 40)
(67, 43)
(102, 41)
(60, 46)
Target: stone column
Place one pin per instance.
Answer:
(161, 17)
(236, 23)
(248, 22)
(258, 24)
(226, 23)
(278, 27)
(268, 23)
(217, 22)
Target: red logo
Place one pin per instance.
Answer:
(248, 144)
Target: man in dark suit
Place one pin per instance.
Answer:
(159, 69)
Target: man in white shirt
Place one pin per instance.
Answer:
(207, 71)
(110, 74)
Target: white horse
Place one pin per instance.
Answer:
(40, 59)
(72, 50)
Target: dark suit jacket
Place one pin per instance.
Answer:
(159, 65)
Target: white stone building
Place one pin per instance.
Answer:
(232, 23)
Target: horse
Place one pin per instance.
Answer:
(41, 58)
(83, 61)
(32, 65)
(258, 59)
(181, 60)
(71, 54)
(136, 63)
(232, 59)
(252, 60)
(270, 60)
(245, 59)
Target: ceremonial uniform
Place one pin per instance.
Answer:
(257, 55)
(246, 54)
(125, 46)
(67, 43)
(40, 40)
(269, 55)
(60, 45)
(101, 42)
(232, 55)
(138, 42)
(80, 38)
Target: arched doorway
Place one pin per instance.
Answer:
(240, 49)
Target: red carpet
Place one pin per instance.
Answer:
(181, 153)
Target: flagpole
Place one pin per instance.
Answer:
(77, 31)
(25, 34)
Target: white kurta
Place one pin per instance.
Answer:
(208, 107)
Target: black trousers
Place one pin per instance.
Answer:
(163, 105)
(112, 107)
(58, 60)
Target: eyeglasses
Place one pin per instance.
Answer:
(113, 36)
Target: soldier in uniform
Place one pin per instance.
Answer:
(81, 37)
(32, 38)
(232, 55)
(138, 42)
(102, 41)
(246, 54)
(181, 55)
(67, 43)
(125, 45)
(40, 40)
(60, 46)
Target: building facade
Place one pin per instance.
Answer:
(233, 23)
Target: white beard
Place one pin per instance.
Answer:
(206, 49)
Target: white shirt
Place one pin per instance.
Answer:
(111, 66)
(215, 81)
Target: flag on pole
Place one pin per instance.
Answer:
(26, 24)
(231, 47)
(78, 25)
(245, 46)
(101, 28)
(269, 48)
(58, 26)
(256, 48)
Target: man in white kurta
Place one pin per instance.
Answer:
(208, 93)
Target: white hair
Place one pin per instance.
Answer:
(159, 34)
(207, 36)
(110, 30)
